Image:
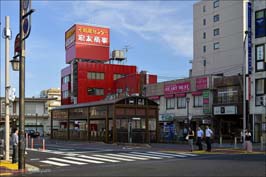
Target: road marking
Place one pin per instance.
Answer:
(35, 159)
(116, 158)
(67, 161)
(98, 158)
(146, 155)
(66, 149)
(167, 155)
(187, 154)
(127, 156)
(55, 163)
(84, 160)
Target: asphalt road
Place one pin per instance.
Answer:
(109, 160)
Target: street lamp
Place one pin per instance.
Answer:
(188, 118)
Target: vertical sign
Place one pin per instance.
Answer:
(249, 39)
(206, 109)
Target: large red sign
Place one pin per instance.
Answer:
(87, 42)
(177, 88)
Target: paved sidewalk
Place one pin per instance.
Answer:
(9, 169)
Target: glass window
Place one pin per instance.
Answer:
(95, 91)
(216, 45)
(260, 23)
(95, 76)
(204, 21)
(66, 79)
(204, 35)
(216, 18)
(215, 3)
(170, 103)
(260, 57)
(204, 48)
(181, 102)
(204, 8)
(228, 95)
(260, 91)
(118, 76)
(198, 101)
(216, 32)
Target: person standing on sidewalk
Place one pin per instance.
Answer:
(248, 145)
(199, 138)
(14, 140)
(190, 138)
(208, 135)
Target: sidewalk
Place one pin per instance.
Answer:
(9, 169)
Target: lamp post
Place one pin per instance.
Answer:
(188, 118)
(244, 85)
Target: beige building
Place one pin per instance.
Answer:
(218, 33)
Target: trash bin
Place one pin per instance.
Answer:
(2, 146)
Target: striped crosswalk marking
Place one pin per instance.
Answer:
(142, 155)
(54, 163)
(187, 154)
(67, 161)
(167, 155)
(83, 160)
(116, 158)
(98, 158)
(127, 156)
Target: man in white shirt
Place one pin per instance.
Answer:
(199, 137)
(208, 135)
(14, 140)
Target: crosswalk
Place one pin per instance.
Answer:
(108, 157)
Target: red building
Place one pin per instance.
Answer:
(89, 76)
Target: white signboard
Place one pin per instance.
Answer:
(225, 110)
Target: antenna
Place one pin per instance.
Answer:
(126, 47)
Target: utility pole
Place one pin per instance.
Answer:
(7, 36)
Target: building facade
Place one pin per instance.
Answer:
(258, 77)
(36, 114)
(218, 35)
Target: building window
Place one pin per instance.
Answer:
(216, 32)
(216, 3)
(204, 8)
(204, 21)
(228, 95)
(181, 102)
(118, 76)
(204, 48)
(260, 57)
(260, 23)
(204, 35)
(198, 101)
(260, 91)
(170, 103)
(95, 91)
(65, 94)
(95, 76)
(66, 79)
(216, 18)
(216, 45)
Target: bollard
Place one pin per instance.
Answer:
(235, 144)
(261, 143)
(43, 144)
(221, 141)
(31, 143)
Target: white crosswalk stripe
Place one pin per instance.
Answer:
(78, 159)
(67, 161)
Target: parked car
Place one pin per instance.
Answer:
(32, 133)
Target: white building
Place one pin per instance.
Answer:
(258, 79)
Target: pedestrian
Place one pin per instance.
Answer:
(190, 138)
(248, 144)
(208, 135)
(14, 141)
(199, 138)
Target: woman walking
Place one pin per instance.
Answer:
(190, 138)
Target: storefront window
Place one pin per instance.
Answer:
(181, 102)
(260, 23)
(198, 101)
(260, 58)
(170, 103)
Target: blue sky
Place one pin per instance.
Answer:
(159, 35)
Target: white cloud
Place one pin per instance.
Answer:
(152, 20)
